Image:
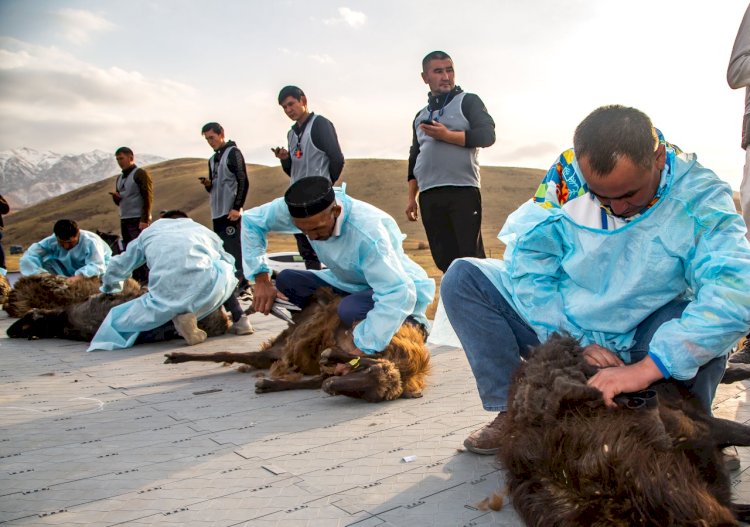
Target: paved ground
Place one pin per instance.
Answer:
(119, 438)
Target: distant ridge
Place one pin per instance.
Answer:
(28, 176)
(381, 182)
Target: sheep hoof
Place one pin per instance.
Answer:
(411, 395)
(174, 358)
(263, 386)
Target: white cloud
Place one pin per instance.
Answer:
(77, 25)
(349, 17)
(58, 102)
(323, 59)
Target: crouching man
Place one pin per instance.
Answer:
(190, 276)
(630, 246)
(68, 252)
(361, 247)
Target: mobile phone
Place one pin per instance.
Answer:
(428, 121)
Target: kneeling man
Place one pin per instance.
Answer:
(361, 247)
(68, 252)
(631, 247)
(190, 276)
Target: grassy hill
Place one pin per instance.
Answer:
(381, 182)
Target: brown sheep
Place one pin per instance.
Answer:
(5, 289)
(48, 291)
(81, 320)
(306, 353)
(654, 460)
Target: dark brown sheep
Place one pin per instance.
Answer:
(306, 353)
(48, 291)
(81, 320)
(655, 460)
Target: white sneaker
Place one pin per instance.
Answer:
(243, 326)
(187, 327)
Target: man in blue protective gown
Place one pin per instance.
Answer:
(360, 245)
(630, 246)
(190, 275)
(68, 252)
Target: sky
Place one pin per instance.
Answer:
(79, 75)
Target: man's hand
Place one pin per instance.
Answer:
(439, 131)
(280, 152)
(233, 215)
(601, 357)
(625, 379)
(143, 224)
(412, 210)
(264, 294)
(205, 182)
(115, 197)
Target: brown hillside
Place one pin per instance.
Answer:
(378, 181)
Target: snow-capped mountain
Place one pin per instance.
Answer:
(29, 176)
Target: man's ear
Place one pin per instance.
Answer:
(661, 157)
(303, 100)
(336, 210)
(424, 77)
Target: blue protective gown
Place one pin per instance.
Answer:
(368, 254)
(189, 272)
(89, 257)
(598, 285)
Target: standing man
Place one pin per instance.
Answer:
(227, 185)
(4, 209)
(738, 76)
(443, 166)
(315, 151)
(134, 195)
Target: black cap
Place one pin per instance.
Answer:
(309, 196)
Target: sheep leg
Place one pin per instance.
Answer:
(280, 385)
(333, 356)
(735, 373)
(741, 512)
(257, 359)
(727, 433)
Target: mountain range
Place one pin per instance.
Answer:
(381, 182)
(28, 176)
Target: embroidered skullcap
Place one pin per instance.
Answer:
(309, 196)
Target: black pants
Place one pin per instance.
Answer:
(130, 231)
(2, 251)
(229, 232)
(307, 252)
(452, 218)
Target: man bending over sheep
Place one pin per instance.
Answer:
(190, 276)
(361, 247)
(68, 252)
(630, 246)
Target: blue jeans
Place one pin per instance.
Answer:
(299, 286)
(495, 337)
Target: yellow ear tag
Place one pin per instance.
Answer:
(354, 362)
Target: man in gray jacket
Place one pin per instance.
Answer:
(313, 151)
(133, 195)
(227, 185)
(443, 165)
